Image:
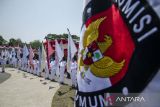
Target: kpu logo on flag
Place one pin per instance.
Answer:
(91, 54)
(96, 55)
(120, 49)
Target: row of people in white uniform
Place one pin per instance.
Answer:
(60, 71)
(3, 63)
(29, 67)
(4, 59)
(55, 70)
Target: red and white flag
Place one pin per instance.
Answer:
(31, 55)
(50, 49)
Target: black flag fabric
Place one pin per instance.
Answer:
(119, 50)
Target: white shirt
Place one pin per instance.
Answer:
(3, 61)
(74, 65)
(53, 64)
(62, 64)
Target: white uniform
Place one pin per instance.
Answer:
(14, 62)
(62, 69)
(25, 66)
(73, 73)
(38, 69)
(34, 67)
(19, 63)
(3, 62)
(22, 64)
(46, 71)
(53, 70)
(28, 66)
(57, 70)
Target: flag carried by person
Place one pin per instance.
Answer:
(25, 52)
(25, 59)
(39, 56)
(50, 49)
(71, 51)
(119, 49)
(19, 52)
(43, 58)
(58, 56)
(61, 45)
(13, 53)
(2, 53)
(57, 64)
(14, 59)
(6, 53)
(59, 51)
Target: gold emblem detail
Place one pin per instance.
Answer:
(105, 67)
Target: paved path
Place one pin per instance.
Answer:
(22, 89)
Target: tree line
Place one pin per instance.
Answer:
(35, 44)
(18, 42)
(62, 36)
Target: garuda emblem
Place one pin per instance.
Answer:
(92, 53)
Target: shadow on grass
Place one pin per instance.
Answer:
(4, 76)
(72, 98)
(44, 83)
(50, 87)
(60, 93)
(64, 97)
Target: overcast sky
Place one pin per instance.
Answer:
(34, 19)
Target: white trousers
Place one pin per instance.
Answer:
(38, 72)
(73, 76)
(46, 73)
(57, 71)
(53, 73)
(62, 69)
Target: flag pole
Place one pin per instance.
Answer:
(68, 32)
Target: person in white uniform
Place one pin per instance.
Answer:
(73, 72)
(33, 66)
(25, 65)
(3, 62)
(53, 70)
(62, 69)
(36, 68)
(28, 66)
(14, 58)
(14, 61)
(57, 69)
(19, 63)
